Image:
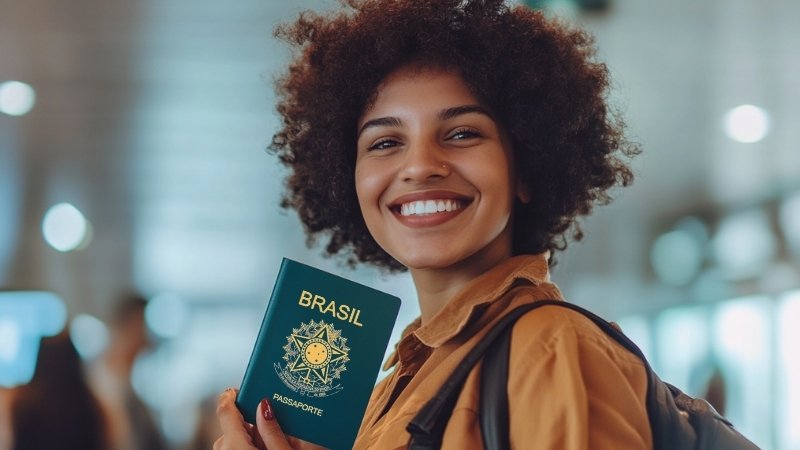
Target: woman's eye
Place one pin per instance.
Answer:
(464, 133)
(383, 144)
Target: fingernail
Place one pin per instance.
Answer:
(266, 410)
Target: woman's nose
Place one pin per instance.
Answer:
(424, 161)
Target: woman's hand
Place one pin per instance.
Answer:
(240, 435)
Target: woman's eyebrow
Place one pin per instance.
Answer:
(449, 113)
(380, 122)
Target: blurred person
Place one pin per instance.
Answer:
(708, 379)
(57, 410)
(208, 429)
(716, 390)
(132, 426)
(5, 418)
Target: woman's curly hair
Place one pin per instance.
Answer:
(537, 75)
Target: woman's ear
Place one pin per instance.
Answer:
(523, 192)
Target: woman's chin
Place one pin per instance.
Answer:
(427, 261)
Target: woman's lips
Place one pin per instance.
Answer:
(428, 209)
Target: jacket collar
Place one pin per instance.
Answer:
(459, 312)
(478, 293)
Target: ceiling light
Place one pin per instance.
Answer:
(747, 123)
(65, 228)
(16, 98)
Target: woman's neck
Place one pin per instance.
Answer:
(434, 291)
(437, 287)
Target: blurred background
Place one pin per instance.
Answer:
(132, 158)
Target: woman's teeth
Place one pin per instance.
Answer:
(421, 207)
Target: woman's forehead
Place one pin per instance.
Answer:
(420, 86)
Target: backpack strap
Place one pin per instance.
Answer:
(493, 400)
(494, 377)
(427, 427)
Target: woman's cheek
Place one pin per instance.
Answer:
(369, 185)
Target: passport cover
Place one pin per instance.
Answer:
(317, 354)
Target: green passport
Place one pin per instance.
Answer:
(317, 354)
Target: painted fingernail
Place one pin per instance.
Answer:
(266, 410)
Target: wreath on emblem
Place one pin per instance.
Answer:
(315, 358)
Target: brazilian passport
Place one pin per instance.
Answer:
(318, 354)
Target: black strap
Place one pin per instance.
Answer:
(494, 394)
(427, 427)
(494, 378)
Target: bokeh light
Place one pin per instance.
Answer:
(26, 317)
(65, 228)
(789, 217)
(89, 334)
(788, 336)
(747, 123)
(16, 98)
(744, 244)
(676, 257)
(10, 336)
(165, 315)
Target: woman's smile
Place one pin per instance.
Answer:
(430, 208)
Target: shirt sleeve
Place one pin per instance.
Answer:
(573, 388)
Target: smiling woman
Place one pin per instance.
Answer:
(460, 140)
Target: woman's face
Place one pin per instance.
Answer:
(433, 173)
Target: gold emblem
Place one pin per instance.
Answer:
(315, 357)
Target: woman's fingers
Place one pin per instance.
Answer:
(256, 437)
(235, 434)
(240, 435)
(272, 435)
(268, 428)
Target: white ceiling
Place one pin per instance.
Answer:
(152, 117)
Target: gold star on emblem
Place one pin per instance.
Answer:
(316, 353)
